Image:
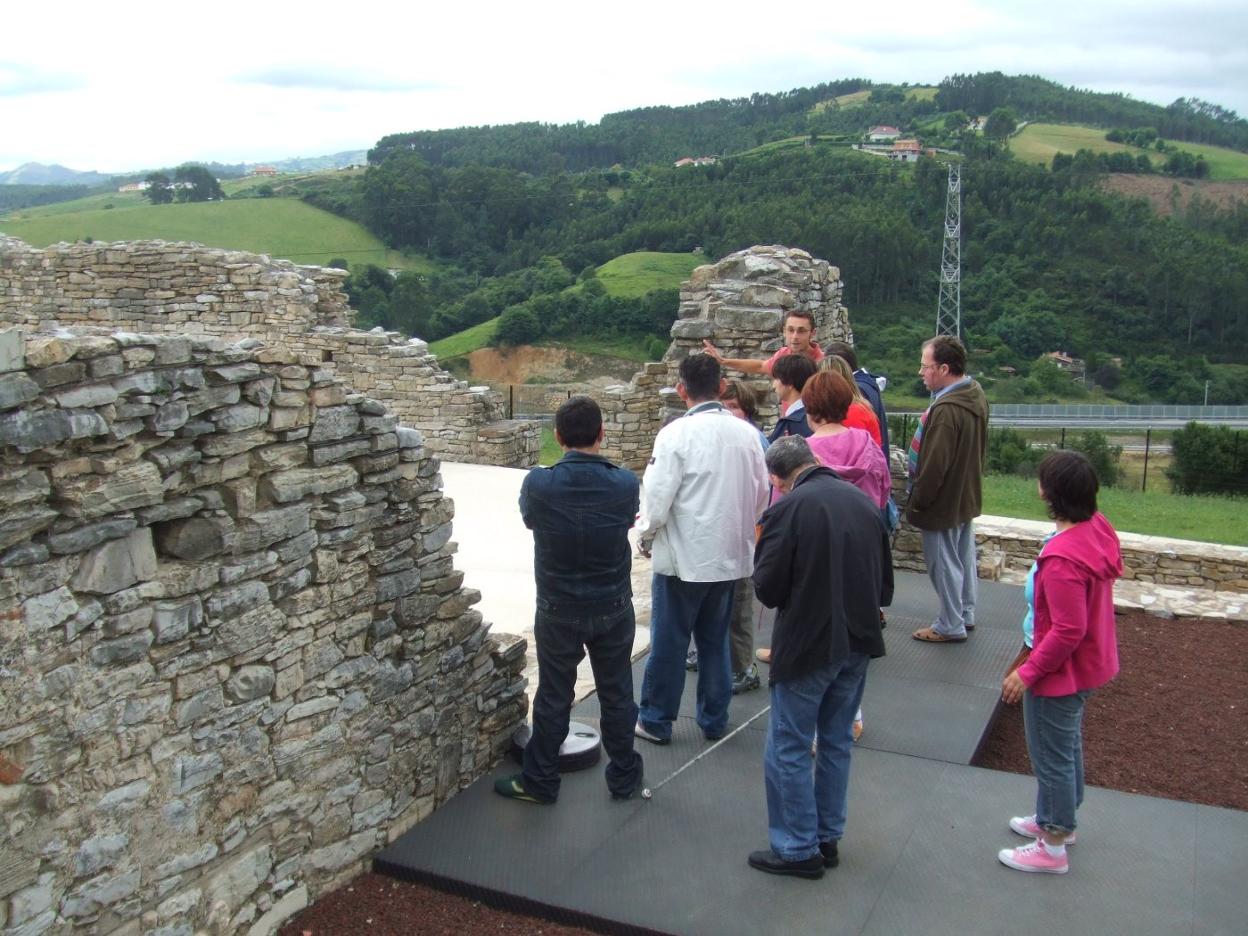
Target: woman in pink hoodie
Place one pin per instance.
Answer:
(1074, 651)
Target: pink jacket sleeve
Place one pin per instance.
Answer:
(1064, 592)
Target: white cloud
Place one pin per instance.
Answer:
(250, 82)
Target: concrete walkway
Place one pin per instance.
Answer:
(496, 557)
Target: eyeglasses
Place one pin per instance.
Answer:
(924, 367)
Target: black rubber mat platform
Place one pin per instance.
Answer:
(919, 855)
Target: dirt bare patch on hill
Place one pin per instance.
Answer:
(1164, 193)
(546, 364)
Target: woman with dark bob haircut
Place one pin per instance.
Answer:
(1070, 650)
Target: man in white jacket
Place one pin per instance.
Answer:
(702, 492)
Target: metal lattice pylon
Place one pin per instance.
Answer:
(949, 305)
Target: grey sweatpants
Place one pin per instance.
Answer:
(950, 558)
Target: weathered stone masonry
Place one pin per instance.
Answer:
(186, 289)
(235, 656)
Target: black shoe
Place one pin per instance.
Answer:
(829, 853)
(634, 793)
(513, 788)
(771, 863)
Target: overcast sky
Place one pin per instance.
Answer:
(133, 85)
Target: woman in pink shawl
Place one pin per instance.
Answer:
(851, 453)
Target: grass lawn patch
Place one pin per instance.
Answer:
(635, 274)
(1154, 513)
(551, 452)
(628, 347)
(280, 227)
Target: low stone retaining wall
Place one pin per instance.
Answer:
(235, 654)
(1007, 548)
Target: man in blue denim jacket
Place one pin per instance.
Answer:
(580, 511)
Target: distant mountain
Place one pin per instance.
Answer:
(313, 163)
(39, 174)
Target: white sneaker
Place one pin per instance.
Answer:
(1027, 825)
(640, 732)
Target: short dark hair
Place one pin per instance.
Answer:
(701, 374)
(745, 396)
(794, 370)
(948, 350)
(827, 396)
(1069, 484)
(845, 351)
(578, 422)
(787, 454)
(798, 313)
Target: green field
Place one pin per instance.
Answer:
(1039, 143)
(635, 274)
(1210, 519)
(280, 227)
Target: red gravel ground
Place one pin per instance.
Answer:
(1172, 724)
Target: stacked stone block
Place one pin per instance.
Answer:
(235, 655)
(189, 290)
(738, 304)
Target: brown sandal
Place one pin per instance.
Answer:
(928, 635)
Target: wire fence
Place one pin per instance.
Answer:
(1147, 444)
(534, 401)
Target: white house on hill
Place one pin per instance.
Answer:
(882, 134)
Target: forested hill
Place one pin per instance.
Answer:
(517, 215)
(661, 134)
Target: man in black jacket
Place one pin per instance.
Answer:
(824, 561)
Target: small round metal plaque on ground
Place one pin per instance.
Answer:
(582, 748)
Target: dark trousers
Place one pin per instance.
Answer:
(562, 641)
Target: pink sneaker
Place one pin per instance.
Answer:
(1033, 857)
(1027, 825)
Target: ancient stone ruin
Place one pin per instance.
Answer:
(155, 287)
(235, 656)
(739, 305)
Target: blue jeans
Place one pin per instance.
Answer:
(801, 813)
(1054, 727)
(679, 610)
(562, 640)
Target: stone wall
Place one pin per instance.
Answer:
(739, 304)
(1007, 548)
(185, 289)
(235, 655)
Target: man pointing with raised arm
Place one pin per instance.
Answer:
(799, 332)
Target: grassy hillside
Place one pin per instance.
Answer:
(629, 276)
(466, 341)
(279, 227)
(1039, 142)
(635, 274)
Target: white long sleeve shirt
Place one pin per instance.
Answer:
(701, 495)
